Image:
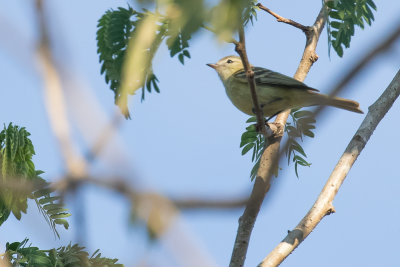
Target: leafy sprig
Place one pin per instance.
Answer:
(251, 139)
(178, 46)
(302, 125)
(343, 16)
(250, 12)
(117, 27)
(21, 254)
(50, 205)
(16, 152)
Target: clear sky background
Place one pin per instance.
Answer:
(184, 142)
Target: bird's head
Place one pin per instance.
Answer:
(227, 66)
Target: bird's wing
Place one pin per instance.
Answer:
(271, 78)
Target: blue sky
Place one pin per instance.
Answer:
(184, 142)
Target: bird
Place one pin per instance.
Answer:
(275, 92)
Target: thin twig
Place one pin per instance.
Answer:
(284, 20)
(241, 50)
(269, 159)
(323, 205)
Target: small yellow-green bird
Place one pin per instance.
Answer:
(275, 92)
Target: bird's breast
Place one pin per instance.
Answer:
(240, 96)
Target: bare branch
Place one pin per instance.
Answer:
(323, 205)
(269, 159)
(241, 50)
(382, 47)
(201, 203)
(54, 100)
(105, 136)
(284, 20)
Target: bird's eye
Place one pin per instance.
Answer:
(229, 61)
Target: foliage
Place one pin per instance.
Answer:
(252, 139)
(228, 15)
(21, 181)
(343, 16)
(250, 12)
(49, 205)
(181, 20)
(114, 29)
(117, 27)
(19, 254)
(301, 125)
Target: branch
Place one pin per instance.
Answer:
(54, 99)
(269, 159)
(240, 48)
(323, 205)
(382, 47)
(104, 138)
(159, 213)
(284, 20)
(199, 203)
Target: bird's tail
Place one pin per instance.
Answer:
(347, 104)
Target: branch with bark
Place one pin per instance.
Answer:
(54, 98)
(269, 159)
(323, 205)
(383, 46)
(284, 20)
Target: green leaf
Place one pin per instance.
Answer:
(254, 170)
(49, 200)
(60, 215)
(336, 24)
(186, 53)
(306, 120)
(302, 113)
(252, 119)
(247, 148)
(13, 246)
(62, 222)
(296, 146)
(249, 135)
(308, 133)
(339, 50)
(251, 128)
(181, 59)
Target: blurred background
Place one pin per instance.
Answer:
(183, 143)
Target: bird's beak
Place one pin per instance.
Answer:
(214, 66)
